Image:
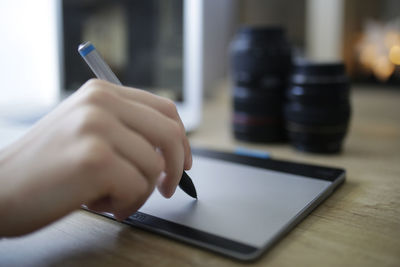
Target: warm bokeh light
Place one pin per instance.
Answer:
(379, 49)
(368, 55)
(383, 68)
(392, 38)
(394, 54)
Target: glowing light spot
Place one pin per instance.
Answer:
(394, 54)
(383, 68)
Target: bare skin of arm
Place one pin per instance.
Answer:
(106, 146)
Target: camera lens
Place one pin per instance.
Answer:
(261, 59)
(317, 109)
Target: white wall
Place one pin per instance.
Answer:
(324, 29)
(29, 61)
(220, 18)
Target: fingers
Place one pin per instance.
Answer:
(163, 105)
(160, 130)
(130, 145)
(163, 133)
(137, 150)
(127, 189)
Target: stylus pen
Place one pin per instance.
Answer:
(104, 72)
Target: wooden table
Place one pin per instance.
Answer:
(359, 225)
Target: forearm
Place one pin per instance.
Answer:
(30, 195)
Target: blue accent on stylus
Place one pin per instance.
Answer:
(87, 50)
(252, 153)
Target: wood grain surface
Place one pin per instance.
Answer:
(359, 225)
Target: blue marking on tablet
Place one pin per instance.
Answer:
(252, 153)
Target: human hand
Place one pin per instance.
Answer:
(106, 146)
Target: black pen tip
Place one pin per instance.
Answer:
(186, 184)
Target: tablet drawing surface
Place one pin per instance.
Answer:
(244, 204)
(238, 202)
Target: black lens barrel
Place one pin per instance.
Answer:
(311, 101)
(261, 59)
(317, 109)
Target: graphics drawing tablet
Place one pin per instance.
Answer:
(244, 206)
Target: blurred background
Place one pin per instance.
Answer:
(145, 43)
(362, 33)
